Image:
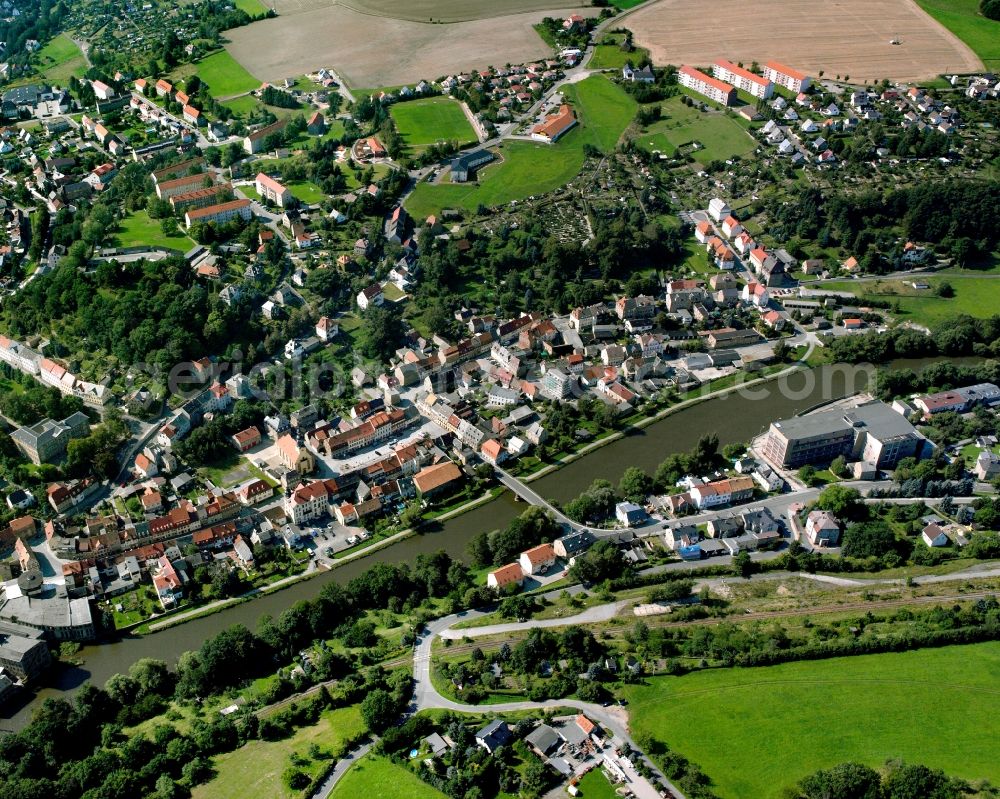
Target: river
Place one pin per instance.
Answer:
(732, 418)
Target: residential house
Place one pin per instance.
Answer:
(934, 536)
(494, 735)
(629, 514)
(505, 576)
(722, 492)
(537, 560)
(822, 529)
(370, 296)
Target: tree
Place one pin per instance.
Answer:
(536, 777)
(733, 451)
(705, 453)
(743, 565)
(379, 710)
(904, 781)
(807, 474)
(635, 484)
(166, 788)
(838, 466)
(869, 539)
(411, 515)
(601, 562)
(846, 781)
(381, 330)
(842, 501)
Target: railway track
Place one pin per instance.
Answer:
(513, 638)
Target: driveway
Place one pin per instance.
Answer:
(325, 788)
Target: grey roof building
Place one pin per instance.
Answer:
(494, 735)
(23, 651)
(872, 432)
(59, 617)
(571, 545)
(46, 441)
(463, 166)
(545, 739)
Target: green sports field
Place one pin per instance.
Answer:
(432, 120)
(962, 18)
(224, 76)
(603, 111)
(380, 778)
(719, 137)
(756, 731)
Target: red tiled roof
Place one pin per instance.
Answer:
(791, 73)
(556, 124)
(540, 554)
(698, 75)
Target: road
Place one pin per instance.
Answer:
(593, 615)
(343, 766)
(426, 696)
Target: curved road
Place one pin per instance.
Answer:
(426, 696)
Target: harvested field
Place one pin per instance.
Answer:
(356, 44)
(850, 37)
(428, 10)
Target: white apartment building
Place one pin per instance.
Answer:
(743, 79)
(706, 85)
(789, 78)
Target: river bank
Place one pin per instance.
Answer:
(174, 620)
(734, 416)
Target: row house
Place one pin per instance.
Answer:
(255, 491)
(220, 536)
(743, 79)
(703, 84)
(722, 492)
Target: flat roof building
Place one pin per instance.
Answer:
(871, 432)
(23, 651)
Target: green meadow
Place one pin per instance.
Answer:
(756, 731)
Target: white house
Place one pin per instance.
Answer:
(756, 293)
(102, 91)
(822, 528)
(718, 209)
(537, 559)
(326, 328)
(934, 536)
(370, 296)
